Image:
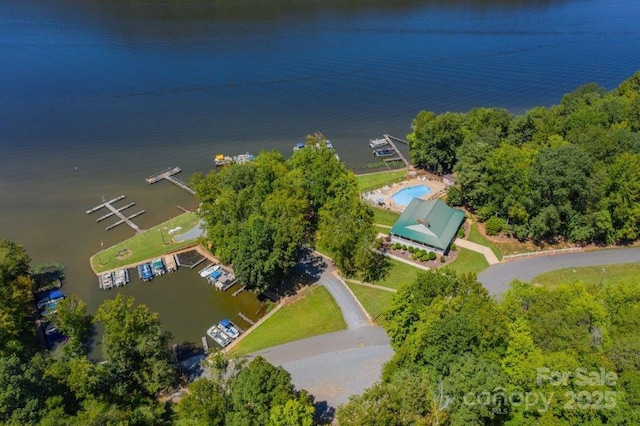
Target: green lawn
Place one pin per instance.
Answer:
(604, 274)
(374, 301)
(313, 313)
(400, 274)
(370, 181)
(476, 237)
(384, 217)
(469, 261)
(151, 243)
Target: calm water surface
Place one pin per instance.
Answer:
(96, 95)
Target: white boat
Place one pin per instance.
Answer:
(120, 277)
(224, 282)
(228, 328)
(218, 336)
(205, 272)
(105, 281)
(377, 143)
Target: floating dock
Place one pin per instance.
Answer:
(170, 262)
(399, 156)
(168, 175)
(117, 212)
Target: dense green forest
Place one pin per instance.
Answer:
(63, 387)
(570, 172)
(539, 357)
(260, 215)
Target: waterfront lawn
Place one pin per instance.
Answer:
(602, 274)
(400, 274)
(313, 313)
(374, 301)
(384, 217)
(370, 181)
(469, 261)
(151, 243)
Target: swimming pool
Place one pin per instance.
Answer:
(404, 196)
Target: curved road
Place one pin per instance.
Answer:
(497, 278)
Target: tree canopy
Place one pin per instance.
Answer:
(259, 215)
(569, 171)
(464, 358)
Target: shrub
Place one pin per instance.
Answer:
(404, 247)
(461, 232)
(454, 247)
(423, 252)
(432, 255)
(494, 225)
(425, 256)
(412, 249)
(442, 259)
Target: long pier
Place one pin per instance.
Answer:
(118, 213)
(101, 218)
(168, 175)
(399, 155)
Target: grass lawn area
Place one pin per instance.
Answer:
(374, 301)
(384, 217)
(603, 274)
(469, 261)
(313, 313)
(151, 243)
(369, 181)
(381, 229)
(400, 274)
(476, 237)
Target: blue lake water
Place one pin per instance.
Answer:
(96, 95)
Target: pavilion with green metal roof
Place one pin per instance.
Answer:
(428, 224)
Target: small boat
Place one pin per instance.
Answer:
(50, 328)
(105, 281)
(51, 296)
(377, 143)
(222, 160)
(50, 308)
(121, 277)
(228, 328)
(243, 158)
(158, 267)
(218, 336)
(206, 271)
(225, 282)
(145, 273)
(214, 276)
(298, 146)
(383, 152)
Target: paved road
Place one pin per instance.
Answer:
(498, 277)
(191, 234)
(353, 314)
(334, 366)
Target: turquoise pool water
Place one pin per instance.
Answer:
(404, 196)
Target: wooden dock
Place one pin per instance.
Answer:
(117, 212)
(399, 155)
(244, 317)
(168, 175)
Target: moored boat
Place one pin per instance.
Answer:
(377, 143)
(157, 265)
(383, 152)
(218, 336)
(207, 270)
(105, 281)
(228, 328)
(145, 273)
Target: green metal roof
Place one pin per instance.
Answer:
(431, 222)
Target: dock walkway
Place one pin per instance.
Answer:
(399, 155)
(168, 175)
(118, 213)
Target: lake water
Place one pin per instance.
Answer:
(95, 95)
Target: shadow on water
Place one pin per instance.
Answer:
(325, 414)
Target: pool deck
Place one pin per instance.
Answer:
(381, 197)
